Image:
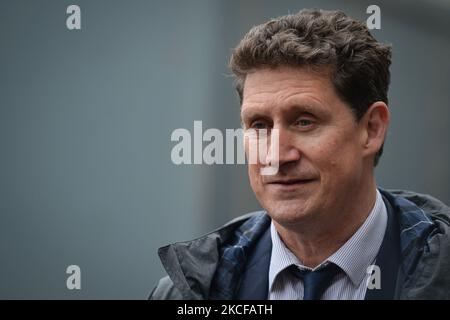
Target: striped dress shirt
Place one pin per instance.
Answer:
(354, 258)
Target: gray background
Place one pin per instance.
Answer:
(86, 118)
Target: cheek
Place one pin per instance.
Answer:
(324, 153)
(333, 155)
(256, 182)
(251, 149)
(253, 173)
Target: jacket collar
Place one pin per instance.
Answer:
(191, 265)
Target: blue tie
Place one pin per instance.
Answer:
(315, 282)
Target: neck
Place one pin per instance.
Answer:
(313, 242)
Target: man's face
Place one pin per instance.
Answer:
(321, 160)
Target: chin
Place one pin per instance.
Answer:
(288, 212)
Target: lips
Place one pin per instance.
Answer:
(287, 187)
(289, 181)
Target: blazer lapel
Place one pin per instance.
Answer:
(254, 282)
(388, 259)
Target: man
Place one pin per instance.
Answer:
(327, 232)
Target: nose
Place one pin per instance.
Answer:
(287, 149)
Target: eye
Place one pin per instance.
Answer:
(258, 125)
(303, 122)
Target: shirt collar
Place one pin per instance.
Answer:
(354, 257)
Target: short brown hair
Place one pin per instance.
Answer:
(358, 63)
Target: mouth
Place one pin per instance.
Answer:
(290, 183)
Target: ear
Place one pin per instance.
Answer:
(375, 122)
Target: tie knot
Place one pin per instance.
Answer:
(315, 282)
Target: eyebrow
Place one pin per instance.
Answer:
(250, 113)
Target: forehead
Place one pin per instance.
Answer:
(275, 90)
